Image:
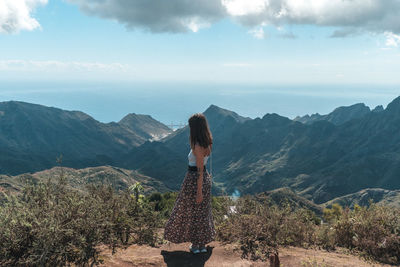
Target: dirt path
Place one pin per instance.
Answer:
(319, 258)
(178, 255)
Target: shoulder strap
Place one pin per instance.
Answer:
(211, 163)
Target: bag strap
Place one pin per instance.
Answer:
(211, 163)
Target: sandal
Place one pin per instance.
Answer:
(203, 249)
(194, 250)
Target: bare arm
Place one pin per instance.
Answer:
(199, 153)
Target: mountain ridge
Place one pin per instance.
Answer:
(32, 136)
(146, 126)
(320, 161)
(76, 179)
(339, 115)
(377, 195)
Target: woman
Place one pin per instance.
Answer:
(191, 218)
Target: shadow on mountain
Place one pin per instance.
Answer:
(184, 258)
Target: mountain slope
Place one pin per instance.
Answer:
(283, 196)
(362, 198)
(340, 115)
(320, 161)
(145, 126)
(33, 136)
(166, 159)
(77, 179)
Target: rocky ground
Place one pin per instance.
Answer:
(219, 255)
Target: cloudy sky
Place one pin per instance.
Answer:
(244, 41)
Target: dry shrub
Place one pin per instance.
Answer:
(373, 230)
(260, 228)
(325, 237)
(50, 225)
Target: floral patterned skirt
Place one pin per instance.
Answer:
(189, 221)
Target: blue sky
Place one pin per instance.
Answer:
(236, 47)
(70, 44)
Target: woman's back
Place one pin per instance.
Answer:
(192, 158)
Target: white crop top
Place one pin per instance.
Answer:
(192, 159)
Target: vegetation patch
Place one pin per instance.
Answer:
(48, 224)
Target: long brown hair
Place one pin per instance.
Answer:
(199, 131)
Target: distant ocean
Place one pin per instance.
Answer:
(175, 102)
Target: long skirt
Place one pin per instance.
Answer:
(189, 221)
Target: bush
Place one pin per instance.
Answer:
(260, 228)
(325, 237)
(333, 213)
(373, 230)
(48, 225)
(163, 204)
(220, 208)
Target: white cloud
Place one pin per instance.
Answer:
(244, 7)
(61, 66)
(258, 33)
(196, 23)
(347, 15)
(392, 40)
(16, 15)
(157, 16)
(284, 33)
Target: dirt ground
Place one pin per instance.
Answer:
(218, 255)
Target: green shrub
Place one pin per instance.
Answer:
(163, 204)
(333, 213)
